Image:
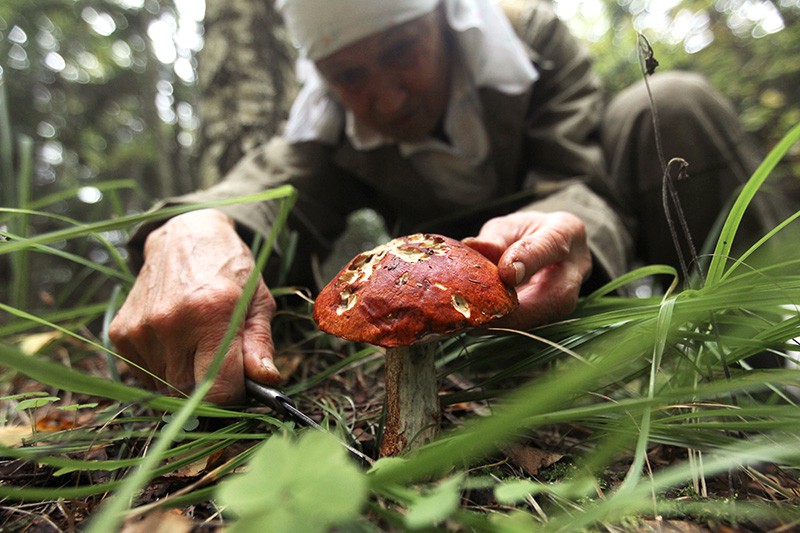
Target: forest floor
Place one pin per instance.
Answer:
(546, 455)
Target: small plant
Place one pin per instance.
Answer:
(74, 408)
(303, 484)
(29, 402)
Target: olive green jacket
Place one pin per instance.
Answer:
(544, 149)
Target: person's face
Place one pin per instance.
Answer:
(396, 81)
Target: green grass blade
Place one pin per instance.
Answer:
(661, 333)
(640, 499)
(74, 316)
(82, 230)
(68, 194)
(725, 242)
(631, 277)
(743, 258)
(125, 275)
(20, 263)
(60, 377)
(8, 192)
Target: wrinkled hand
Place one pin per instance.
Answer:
(177, 312)
(544, 256)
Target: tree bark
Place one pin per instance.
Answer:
(160, 183)
(246, 82)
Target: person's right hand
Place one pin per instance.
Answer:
(545, 256)
(177, 312)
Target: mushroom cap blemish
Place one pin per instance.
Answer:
(411, 288)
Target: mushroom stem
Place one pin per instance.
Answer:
(413, 412)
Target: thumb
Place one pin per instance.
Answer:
(491, 250)
(511, 275)
(258, 351)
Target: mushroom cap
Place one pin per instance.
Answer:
(411, 288)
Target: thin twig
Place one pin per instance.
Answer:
(648, 64)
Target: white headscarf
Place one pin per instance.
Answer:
(490, 55)
(321, 27)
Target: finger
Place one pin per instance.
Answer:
(547, 245)
(178, 371)
(228, 386)
(550, 295)
(491, 250)
(210, 323)
(165, 360)
(128, 346)
(258, 350)
(136, 366)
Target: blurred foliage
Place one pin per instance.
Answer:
(106, 90)
(107, 105)
(750, 50)
(84, 79)
(110, 119)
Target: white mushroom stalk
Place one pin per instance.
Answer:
(399, 295)
(413, 411)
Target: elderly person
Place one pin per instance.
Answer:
(444, 117)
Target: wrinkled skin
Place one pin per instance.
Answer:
(545, 256)
(397, 81)
(176, 314)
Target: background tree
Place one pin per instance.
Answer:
(98, 86)
(105, 92)
(245, 82)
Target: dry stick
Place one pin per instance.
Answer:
(648, 64)
(668, 191)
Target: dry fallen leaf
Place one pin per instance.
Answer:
(34, 343)
(531, 459)
(288, 362)
(55, 421)
(11, 436)
(159, 522)
(189, 471)
(676, 526)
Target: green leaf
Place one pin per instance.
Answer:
(21, 395)
(514, 492)
(437, 506)
(725, 243)
(514, 521)
(35, 403)
(389, 463)
(191, 423)
(307, 484)
(78, 406)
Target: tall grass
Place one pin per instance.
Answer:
(7, 195)
(611, 389)
(17, 186)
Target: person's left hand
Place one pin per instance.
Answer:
(544, 256)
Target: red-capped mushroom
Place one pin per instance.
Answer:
(400, 295)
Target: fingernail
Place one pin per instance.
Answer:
(271, 375)
(267, 363)
(519, 271)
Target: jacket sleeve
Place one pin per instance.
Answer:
(565, 165)
(325, 196)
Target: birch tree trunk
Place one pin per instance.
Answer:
(246, 82)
